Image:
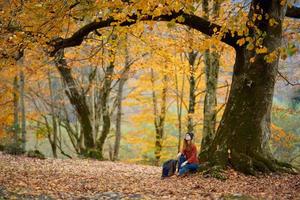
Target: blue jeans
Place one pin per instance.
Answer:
(189, 167)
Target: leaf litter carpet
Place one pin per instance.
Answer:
(27, 178)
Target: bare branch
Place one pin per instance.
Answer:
(287, 80)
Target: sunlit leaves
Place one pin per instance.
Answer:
(261, 50)
(271, 57)
(272, 22)
(241, 41)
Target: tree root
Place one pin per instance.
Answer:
(93, 153)
(286, 167)
(258, 163)
(215, 172)
(254, 163)
(242, 162)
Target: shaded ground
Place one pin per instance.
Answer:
(27, 178)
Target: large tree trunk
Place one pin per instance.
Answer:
(244, 131)
(77, 100)
(211, 61)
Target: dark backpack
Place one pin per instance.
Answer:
(169, 168)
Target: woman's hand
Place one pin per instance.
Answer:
(184, 163)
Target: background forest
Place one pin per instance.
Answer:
(137, 89)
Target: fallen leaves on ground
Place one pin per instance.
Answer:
(84, 178)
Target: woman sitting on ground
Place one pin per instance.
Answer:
(187, 158)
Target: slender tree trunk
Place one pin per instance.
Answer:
(118, 119)
(73, 133)
(93, 96)
(122, 81)
(242, 137)
(53, 140)
(210, 100)
(211, 60)
(22, 106)
(105, 107)
(179, 102)
(16, 126)
(159, 117)
(192, 96)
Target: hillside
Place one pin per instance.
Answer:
(27, 178)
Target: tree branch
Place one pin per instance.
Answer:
(293, 12)
(287, 80)
(190, 20)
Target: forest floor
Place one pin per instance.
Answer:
(27, 178)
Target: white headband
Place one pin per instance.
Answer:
(188, 137)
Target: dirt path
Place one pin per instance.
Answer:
(29, 178)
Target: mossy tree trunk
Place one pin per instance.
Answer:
(210, 100)
(211, 61)
(106, 115)
(242, 137)
(192, 93)
(105, 97)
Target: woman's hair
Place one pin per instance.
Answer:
(186, 145)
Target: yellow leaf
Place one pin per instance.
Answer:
(252, 59)
(215, 30)
(180, 18)
(250, 46)
(261, 50)
(241, 41)
(259, 17)
(271, 57)
(282, 2)
(272, 22)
